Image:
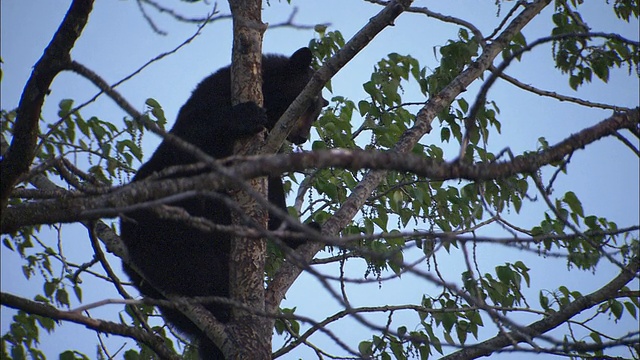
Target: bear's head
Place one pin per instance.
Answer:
(283, 79)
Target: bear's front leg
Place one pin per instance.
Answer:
(247, 119)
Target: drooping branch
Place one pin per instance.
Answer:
(55, 58)
(390, 309)
(84, 207)
(32, 307)
(126, 106)
(554, 320)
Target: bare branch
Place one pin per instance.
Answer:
(163, 9)
(32, 307)
(444, 18)
(99, 254)
(555, 95)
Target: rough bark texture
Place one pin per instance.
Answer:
(249, 336)
(73, 208)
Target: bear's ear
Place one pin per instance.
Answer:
(301, 59)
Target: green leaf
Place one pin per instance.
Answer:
(449, 339)
(448, 320)
(49, 288)
(544, 301)
(78, 291)
(445, 134)
(505, 274)
(8, 244)
(131, 355)
(574, 82)
(397, 350)
(46, 323)
(363, 107)
(82, 125)
(616, 309)
(135, 150)
(395, 263)
(68, 355)
(461, 331)
(631, 308)
(563, 289)
(65, 107)
(17, 352)
(464, 105)
(524, 270)
(152, 103)
(402, 330)
(62, 297)
(601, 69)
(574, 203)
(366, 348)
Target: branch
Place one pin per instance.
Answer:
(387, 308)
(163, 9)
(361, 39)
(87, 207)
(102, 230)
(444, 18)
(288, 273)
(289, 23)
(135, 114)
(482, 94)
(99, 254)
(553, 320)
(154, 342)
(555, 95)
(55, 58)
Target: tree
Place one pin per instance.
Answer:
(470, 227)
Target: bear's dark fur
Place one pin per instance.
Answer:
(181, 259)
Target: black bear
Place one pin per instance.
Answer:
(179, 258)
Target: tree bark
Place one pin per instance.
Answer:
(249, 334)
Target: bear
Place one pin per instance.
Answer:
(184, 260)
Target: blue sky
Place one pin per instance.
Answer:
(117, 41)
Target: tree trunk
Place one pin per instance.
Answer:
(249, 334)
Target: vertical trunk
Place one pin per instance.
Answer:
(250, 334)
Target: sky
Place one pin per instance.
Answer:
(117, 40)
